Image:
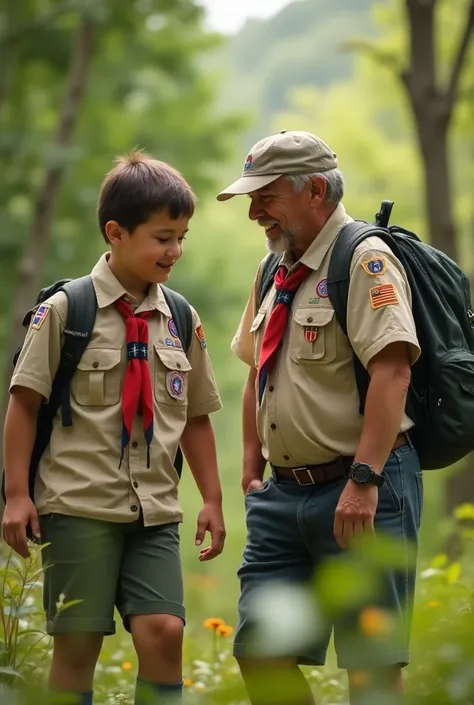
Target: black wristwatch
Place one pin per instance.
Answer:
(362, 474)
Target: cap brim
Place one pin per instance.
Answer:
(246, 184)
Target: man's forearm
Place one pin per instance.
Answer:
(18, 441)
(253, 460)
(199, 447)
(383, 414)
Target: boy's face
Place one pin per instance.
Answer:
(154, 247)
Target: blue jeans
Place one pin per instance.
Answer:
(290, 535)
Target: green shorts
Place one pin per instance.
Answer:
(106, 565)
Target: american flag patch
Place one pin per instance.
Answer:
(40, 317)
(383, 295)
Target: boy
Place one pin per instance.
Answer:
(106, 492)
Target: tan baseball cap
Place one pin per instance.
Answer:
(278, 155)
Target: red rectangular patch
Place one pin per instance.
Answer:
(383, 295)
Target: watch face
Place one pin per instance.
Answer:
(361, 474)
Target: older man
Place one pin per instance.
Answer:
(335, 474)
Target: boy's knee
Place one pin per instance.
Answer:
(77, 651)
(162, 633)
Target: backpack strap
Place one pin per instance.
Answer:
(338, 280)
(81, 313)
(181, 314)
(267, 274)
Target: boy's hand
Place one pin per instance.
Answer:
(211, 519)
(19, 512)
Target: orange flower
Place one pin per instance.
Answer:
(224, 630)
(127, 666)
(213, 623)
(187, 682)
(375, 622)
(359, 679)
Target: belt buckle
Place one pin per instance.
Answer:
(308, 471)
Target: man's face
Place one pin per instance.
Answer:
(286, 216)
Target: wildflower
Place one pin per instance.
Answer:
(126, 666)
(224, 630)
(432, 604)
(374, 622)
(213, 623)
(199, 687)
(187, 682)
(359, 679)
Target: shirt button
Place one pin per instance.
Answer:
(287, 457)
(309, 319)
(135, 484)
(95, 364)
(134, 508)
(178, 365)
(271, 388)
(273, 426)
(134, 444)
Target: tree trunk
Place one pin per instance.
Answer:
(432, 106)
(31, 265)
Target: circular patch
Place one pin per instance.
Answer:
(248, 163)
(175, 385)
(322, 289)
(169, 342)
(172, 328)
(177, 344)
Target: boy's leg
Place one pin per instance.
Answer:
(81, 562)
(150, 600)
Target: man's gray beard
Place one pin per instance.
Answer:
(284, 243)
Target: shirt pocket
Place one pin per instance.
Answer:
(98, 379)
(313, 335)
(172, 369)
(257, 329)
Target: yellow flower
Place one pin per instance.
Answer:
(374, 622)
(127, 666)
(359, 679)
(224, 630)
(187, 682)
(213, 623)
(432, 604)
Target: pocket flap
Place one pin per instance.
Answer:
(257, 321)
(173, 359)
(99, 359)
(313, 316)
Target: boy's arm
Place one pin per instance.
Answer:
(199, 447)
(198, 442)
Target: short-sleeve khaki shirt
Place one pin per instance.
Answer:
(310, 409)
(79, 473)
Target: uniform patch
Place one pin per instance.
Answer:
(314, 300)
(173, 343)
(169, 342)
(172, 328)
(248, 163)
(175, 385)
(40, 316)
(200, 336)
(383, 295)
(375, 266)
(310, 333)
(322, 289)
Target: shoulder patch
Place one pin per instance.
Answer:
(375, 266)
(383, 295)
(200, 336)
(40, 316)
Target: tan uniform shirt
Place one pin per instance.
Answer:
(79, 473)
(310, 409)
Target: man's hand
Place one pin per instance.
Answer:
(19, 512)
(355, 512)
(251, 483)
(211, 519)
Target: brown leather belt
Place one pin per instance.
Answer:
(319, 474)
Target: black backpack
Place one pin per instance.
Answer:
(81, 313)
(441, 396)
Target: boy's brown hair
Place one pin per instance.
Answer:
(139, 186)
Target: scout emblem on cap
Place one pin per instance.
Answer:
(375, 266)
(40, 317)
(175, 385)
(200, 336)
(310, 333)
(172, 328)
(322, 289)
(248, 163)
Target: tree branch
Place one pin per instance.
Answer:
(460, 57)
(382, 57)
